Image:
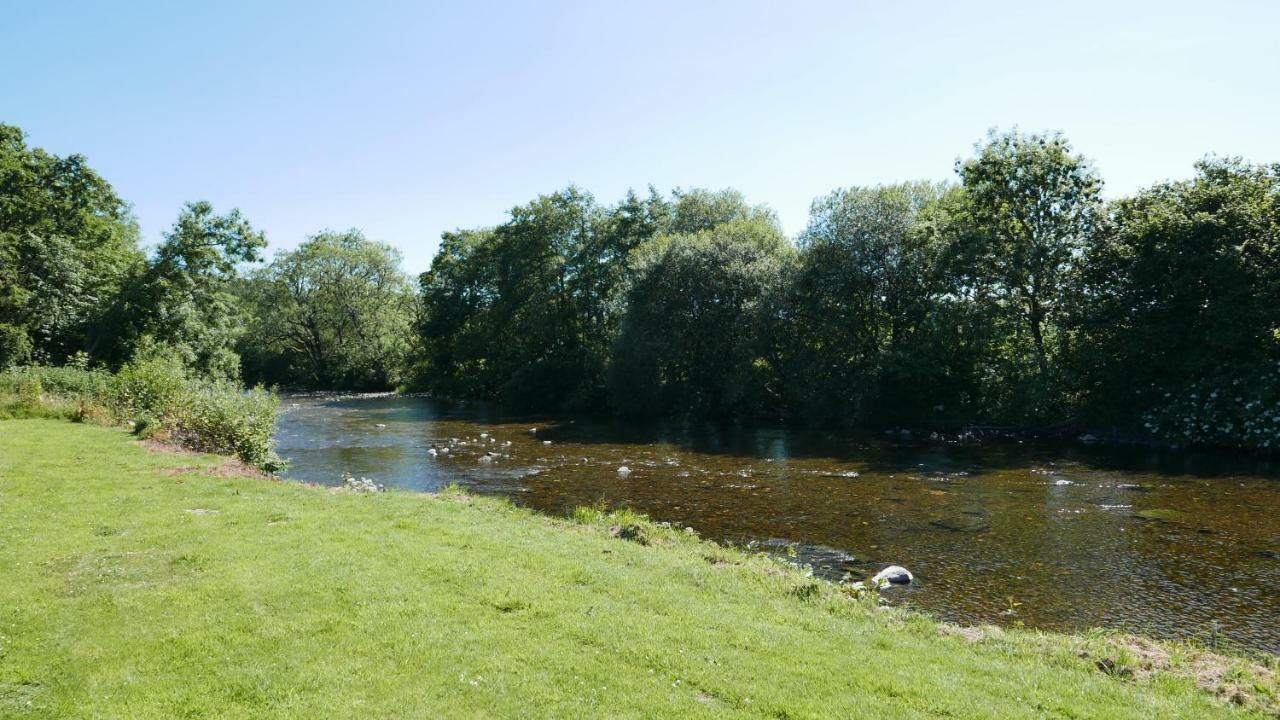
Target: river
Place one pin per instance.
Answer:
(1052, 535)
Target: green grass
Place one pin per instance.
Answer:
(140, 584)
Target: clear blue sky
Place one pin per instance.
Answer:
(406, 118)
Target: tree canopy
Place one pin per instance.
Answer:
(68, 243)
(337, 312)
(1014, 297)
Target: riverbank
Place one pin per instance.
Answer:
(153, 584)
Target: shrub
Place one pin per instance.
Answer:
(1223, 411)
(158, 395)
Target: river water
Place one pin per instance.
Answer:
(1057, 536)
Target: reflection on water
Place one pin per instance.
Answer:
(1071, 537)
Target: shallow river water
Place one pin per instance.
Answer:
(1061, 536)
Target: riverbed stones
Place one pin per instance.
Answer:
(360, 485)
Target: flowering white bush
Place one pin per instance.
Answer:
(1237, 411)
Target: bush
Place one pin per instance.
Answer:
(15, 346)
(1222, 411)
(220, 417)
(159, 396)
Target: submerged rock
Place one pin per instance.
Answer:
(895, 574)
(1160, 515)
(969, 523)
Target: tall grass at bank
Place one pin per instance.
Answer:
(159, 398)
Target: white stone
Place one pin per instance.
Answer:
(895, 574)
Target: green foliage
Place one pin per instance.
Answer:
(1015, 298)
(855, 314)
(337, 312)
(688, 341)
(1178, 306)
(15, 345)
(184, 299)
(67, 245)
(160, 396)
(692, 211)
(1026, 208)
(526, 312)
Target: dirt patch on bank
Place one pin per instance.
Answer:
(1243, 681)
(225, 467)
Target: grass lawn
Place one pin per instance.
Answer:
(142, 584)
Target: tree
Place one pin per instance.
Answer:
(687, 342)
(457, 296)
(67, 244)
(1177, 309)
(695, 210)
(860, 288)
(337, 312)
(526, 312)
(1028, 205)
(184, 299)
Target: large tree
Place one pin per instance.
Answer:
(457, 296)
(526, 312)
(336, 312)
(1027, 206)
(184, 299)
(859, 290)
(67, 243)
(1178, 309)
(688, 341)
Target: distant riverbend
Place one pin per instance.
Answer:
(1057, 536)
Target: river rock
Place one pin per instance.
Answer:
(971, 524)
(1160, 515)
(624, 471)
(895, 574)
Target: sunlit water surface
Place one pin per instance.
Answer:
(1061, 536)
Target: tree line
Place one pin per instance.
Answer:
(1012, 296)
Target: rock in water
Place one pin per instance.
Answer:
(895, 574)
(962, 524)
(624, 471)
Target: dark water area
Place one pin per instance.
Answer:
(1060, 536)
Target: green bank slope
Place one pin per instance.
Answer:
(144, 584)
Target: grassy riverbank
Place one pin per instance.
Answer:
(152, 584)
